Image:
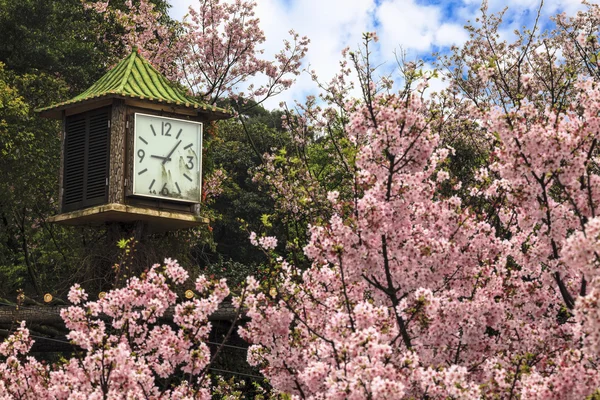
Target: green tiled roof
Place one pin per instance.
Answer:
(134, 77)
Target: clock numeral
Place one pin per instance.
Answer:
(152, 184)
(143, 140)
(141, 154)
(153, 131)
(142, 171)
(179, 133)
(164, 191)
(178, 189)
(188, 146)
(190, 163)
(187, 177)
(168, 130)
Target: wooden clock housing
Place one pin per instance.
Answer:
(96, 169)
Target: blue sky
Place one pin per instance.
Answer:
(419, 27)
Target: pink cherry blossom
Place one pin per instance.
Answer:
(125, 351)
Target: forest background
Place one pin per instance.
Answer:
(49, 53)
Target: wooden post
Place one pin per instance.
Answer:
(116, 180)
(116, 176)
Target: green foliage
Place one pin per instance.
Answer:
(57, 37)
(265, 221)
(12, 108)
(594, 396)
(319, 158)
(231, 149)
(29, 148)
(50, 36)
(49, 52)
(122, 243)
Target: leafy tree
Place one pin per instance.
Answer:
(241, 205)
(30, 149)
(58, 38)
(49, 53)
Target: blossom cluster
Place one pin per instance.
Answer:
(127, 350)
(264, 242)
(213, 51)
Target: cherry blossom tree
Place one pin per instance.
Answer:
(214, 51)
(420, 292)
(127, 349)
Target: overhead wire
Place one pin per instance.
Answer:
(39, 337)
(208, 342)
(210, 369)
(237, 373)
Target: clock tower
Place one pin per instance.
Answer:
(132, 150)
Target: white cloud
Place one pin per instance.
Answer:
(333, 25)
(415, 27)
(406, 24)
(450, 34)
(179, 8)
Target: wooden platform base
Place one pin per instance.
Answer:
(155, 220)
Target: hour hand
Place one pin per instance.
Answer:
(160, 157)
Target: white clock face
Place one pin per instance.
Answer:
(167, 158)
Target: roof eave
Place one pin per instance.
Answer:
(213, 115)
(207, 113)
(56, 111)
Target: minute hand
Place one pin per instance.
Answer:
(168, 157)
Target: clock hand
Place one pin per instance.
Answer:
(168, 157)
(162, 158)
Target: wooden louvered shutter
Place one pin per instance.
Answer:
(86, 159)
(75, 128)
(97, 158)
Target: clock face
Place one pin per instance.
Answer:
(167, 158)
